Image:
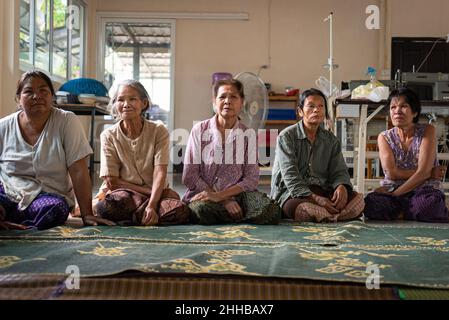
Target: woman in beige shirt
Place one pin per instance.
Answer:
(134, 159)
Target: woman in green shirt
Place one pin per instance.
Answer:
(310, 178)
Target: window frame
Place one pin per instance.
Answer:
(26, 65)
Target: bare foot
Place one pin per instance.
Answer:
(6, 225)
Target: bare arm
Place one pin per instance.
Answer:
(151, 217)
(425, 163)
(388, 162)
(82, 186)
(214, 196)
(230, 192)
(83, 191)
(114, 183)
(159, 176)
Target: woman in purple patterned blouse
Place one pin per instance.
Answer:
(411, 188)
(221, 159)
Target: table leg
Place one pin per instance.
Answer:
(362, 150)
(92, 157)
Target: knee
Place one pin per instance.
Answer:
(54, 212)
(208, 212)
(302, 212)
(173, 211)
(309, 212)
(428, 206)
(380, 206)
(353, 209)
(58, 206)
(357, 200)
(199, 212)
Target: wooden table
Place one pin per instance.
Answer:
(92, 111)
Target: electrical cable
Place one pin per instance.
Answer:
(431, 49)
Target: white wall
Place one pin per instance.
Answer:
(294, 44)
(416, 18)
(2, 9)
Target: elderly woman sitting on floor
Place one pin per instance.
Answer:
(412, 186)
(134, 159)
(310, 179)
(221, 170)
(43, 161)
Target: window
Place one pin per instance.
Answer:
(52, 36)
(410, 53)
(140, 49)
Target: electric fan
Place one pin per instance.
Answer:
(255, 110)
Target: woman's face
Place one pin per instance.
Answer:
(401, 113)
(129, 104)
(314, 110)
(228, 102)
(36, 98)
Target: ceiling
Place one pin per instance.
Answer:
(144, 48)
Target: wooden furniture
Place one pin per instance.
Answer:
(267, 139)
(87, 110)
(369, 161)
(279, 101)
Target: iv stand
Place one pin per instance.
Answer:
(331, 66)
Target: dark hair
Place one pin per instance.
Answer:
(313, 92)
(231, 82)
(33, 74)
(411, 98)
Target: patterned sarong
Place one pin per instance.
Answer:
(257, 208)
(127, 207)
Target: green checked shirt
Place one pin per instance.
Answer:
(299, 164)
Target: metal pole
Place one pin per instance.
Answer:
(331, 67)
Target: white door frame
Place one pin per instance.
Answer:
(138, 17)
(105, 17)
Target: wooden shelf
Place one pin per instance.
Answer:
(282, 101)
(280, 97)
(280, 122)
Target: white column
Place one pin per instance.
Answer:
(2, 52)
(9, 48)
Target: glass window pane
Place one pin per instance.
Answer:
(60, 38)
(76, 55)
(25, 40)
(141, 51)
(77, 49)
(42, 25)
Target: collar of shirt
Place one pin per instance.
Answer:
(216, 131)
(301, 134)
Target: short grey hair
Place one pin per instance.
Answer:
(135, 84)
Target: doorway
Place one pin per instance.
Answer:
(140, 49)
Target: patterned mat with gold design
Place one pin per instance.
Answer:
(410, 254)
